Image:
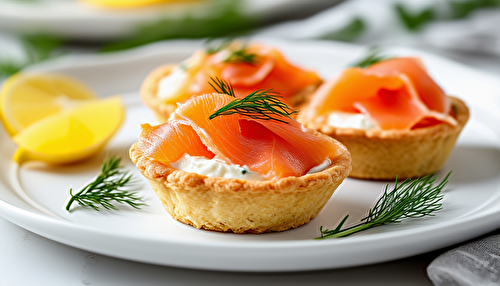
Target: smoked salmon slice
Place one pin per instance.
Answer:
(247, 68)
(428, 90)
(272, 148)
(395, 94)
(154, 146)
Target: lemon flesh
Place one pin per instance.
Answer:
(70, 136)
(27, 98)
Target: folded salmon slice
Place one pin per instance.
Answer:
(428, 90)
(153, 144)
(271, 148)
(395, 94)
(268, 69)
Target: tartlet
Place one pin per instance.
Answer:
(290, 194)
(149, 90)
(387, 154)
(293, 83)
(241, 206)
(413, 124)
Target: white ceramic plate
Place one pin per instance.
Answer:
(34, 196)
(71, 19)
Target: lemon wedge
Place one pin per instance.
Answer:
(71, 135)
(27, 98)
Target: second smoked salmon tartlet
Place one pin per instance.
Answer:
(392, 117)
(247, 67)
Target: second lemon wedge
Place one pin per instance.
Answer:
(71, 135)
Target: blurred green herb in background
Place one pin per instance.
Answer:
(36, 48)
(462, 9)
(412, 20)
(457, 9)
(348, 33)
(227, 20)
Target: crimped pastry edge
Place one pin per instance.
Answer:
(242, 206)
(387, 154)
(149, 89)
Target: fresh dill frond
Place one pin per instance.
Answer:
(220, 86)
(241, 55)
(373, 56)
(106, 189)
(260, 104)
(410, 199)
(237, 52)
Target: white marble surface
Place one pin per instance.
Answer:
(28, 259)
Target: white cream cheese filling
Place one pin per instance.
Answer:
(350, 120)
(320, 167)
(169, 85)
(215, 168)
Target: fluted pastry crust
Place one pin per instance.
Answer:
(387, 154)
(242, 206)
(149, 91)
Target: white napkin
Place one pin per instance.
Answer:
(472, 264)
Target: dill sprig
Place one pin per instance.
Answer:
(410, 199)
(235, 55)
(260, 104)
(241, 55)
(374, 56)
(106, 189)
(220, 86)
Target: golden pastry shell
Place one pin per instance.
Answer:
(387, 154)
(242, 206)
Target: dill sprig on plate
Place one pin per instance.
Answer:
(106, 189)
(410, 199)
(260, 104)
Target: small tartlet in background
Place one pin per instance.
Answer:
(398, 147)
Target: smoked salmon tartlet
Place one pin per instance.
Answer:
(246, 67)
(393, 118)
(239, 165)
